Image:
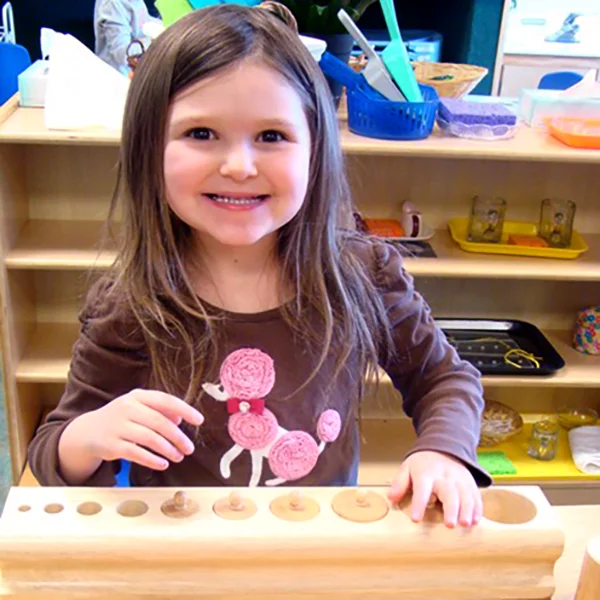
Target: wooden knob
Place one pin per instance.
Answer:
(179, 506)
(296, 502)
(235, 501)
(180, 499)
(295, 507)
(235, 507)
(362, 497)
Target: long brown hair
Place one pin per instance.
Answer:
(150, 270)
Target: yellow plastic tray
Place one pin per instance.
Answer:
(458, 231)
(561, 468)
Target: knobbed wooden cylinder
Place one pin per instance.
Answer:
(588, 587)
(304, 543)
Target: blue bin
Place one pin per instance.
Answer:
(373, 116)
(14, 59)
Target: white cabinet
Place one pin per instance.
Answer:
(514, 78)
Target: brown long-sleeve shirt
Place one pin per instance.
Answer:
(259, 433)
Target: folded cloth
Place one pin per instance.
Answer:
(585, 448)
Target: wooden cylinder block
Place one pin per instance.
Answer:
(274, 544)
(588, 587)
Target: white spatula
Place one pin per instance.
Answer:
(375, 72)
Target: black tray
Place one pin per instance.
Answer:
(498, 336)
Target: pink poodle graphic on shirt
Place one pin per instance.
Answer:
(247, 376)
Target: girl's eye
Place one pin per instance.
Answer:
(272, 136)
(200, 133)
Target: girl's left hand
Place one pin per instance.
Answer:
(447, 478)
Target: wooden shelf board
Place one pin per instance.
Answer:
(580, 370)
(26, 125)
(64, 244)
(48, 355)
(452, 261)
(58, 244)
(385, 443)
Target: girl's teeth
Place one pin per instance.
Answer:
(239, 201)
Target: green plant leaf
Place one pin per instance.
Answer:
(320, 16)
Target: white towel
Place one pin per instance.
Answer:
(585, 448)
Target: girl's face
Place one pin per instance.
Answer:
(236, 159)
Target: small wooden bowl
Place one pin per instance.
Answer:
(451, 80)
(499, 423)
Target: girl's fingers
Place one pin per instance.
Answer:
(422, 488)
(467, 504)
(151, 440)
(155, 421)
(448, 495)
(136, 454)
(401, 485)
(170, 406)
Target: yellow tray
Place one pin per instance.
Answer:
(458, 231)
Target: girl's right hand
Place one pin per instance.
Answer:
(140, 426)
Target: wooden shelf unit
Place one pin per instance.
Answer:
(55, 188)
(60, 245)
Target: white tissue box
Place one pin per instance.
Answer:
(537, 105)
(32, 84)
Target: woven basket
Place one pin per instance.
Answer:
(463, 77)
(498, 424)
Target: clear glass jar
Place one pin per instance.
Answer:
(486, 220)
(544, 440)
(556, 222)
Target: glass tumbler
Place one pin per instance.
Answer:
(544, 440)
(486, 220)
(556, 222)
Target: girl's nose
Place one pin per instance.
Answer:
(239, 163)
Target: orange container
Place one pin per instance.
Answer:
(576, 132)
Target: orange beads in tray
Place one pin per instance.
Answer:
(576, 132)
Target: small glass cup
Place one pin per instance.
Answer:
(556, 222)
(486, 220)
(544, 440)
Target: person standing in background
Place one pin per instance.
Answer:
(116, 24)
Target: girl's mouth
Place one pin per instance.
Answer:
(237, 201)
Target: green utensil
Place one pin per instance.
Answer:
(395, 56)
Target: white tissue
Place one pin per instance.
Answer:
(46, 37)
(83, 91)
(588, 87)
(585, 448)
(152, 29)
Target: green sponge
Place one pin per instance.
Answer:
(496, 463)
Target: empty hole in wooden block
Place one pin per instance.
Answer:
(53, 508)
(132, 508)
(507, 507)
(24, 508)
(89, 508)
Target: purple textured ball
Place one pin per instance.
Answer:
(475, 113)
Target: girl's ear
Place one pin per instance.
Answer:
(281, 12)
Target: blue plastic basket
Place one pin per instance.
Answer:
(373, 116)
